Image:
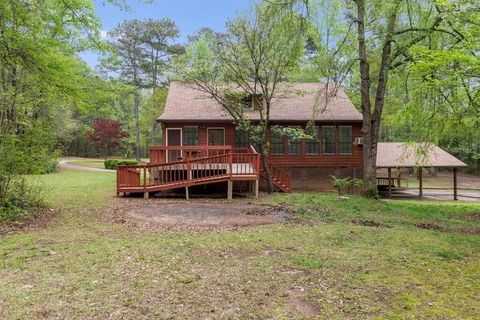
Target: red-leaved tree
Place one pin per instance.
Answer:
(106, 135)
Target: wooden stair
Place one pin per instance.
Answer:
(280, 179)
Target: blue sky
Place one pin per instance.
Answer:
(190, 15)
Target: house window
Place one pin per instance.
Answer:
(190, 136)
(345, 140)
(276, 143)
(328, 140)
(247, 102)
(241, 139)
(312, 145)
(294, 146)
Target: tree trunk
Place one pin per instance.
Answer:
(370, 189)
(136, 103)
(371, 122)
(369, 145)
(266, 168)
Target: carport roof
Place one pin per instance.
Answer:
(404, 155)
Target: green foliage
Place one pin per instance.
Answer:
(342, 184)
(19, 200)
(114, 163)
(152, 108)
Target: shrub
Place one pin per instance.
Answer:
(114, 163)
(342, 184)
(19, 199)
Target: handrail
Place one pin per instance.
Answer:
(188, 171)
(223, 147)
(282, 177)
(164, 154)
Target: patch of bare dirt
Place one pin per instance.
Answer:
(470, 230)
(163, 214)
(265, 210)
(40, 218)
(473, 216)
(294, 297)
(432, 226)
(369, 223)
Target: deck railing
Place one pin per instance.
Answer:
(189, 171)
(167, 154)
(282, 177)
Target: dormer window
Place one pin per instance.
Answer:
(251, 101)
(247, 102)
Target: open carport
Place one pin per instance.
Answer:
(416, 156)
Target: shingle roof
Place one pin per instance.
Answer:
(296, 102)
(401, 154)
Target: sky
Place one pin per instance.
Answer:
(189, 15)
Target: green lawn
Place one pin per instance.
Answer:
(319, 263)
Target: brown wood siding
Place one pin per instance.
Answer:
(288, 161)
(331, 161)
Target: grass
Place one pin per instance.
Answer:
(79, 267)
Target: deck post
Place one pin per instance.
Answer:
(230, 190)
(455, 194)
(389, 183)
(145, 195)
(187, 194)
(256, 188)
(420, 182)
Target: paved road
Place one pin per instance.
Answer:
(65, 164)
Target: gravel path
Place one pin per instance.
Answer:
(65, 164)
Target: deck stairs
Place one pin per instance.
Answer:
(280, 178)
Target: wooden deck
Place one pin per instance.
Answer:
(225, 166)
(196, 165)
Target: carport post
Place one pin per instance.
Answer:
(389, 183)
(455, 195)
(420, 182)
(399, 177)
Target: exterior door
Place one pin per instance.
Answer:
(174, 138)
